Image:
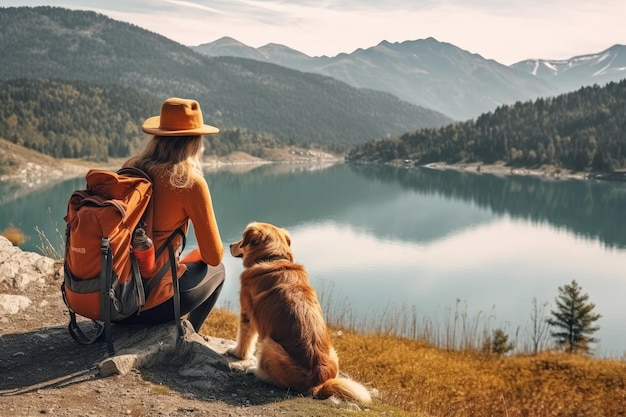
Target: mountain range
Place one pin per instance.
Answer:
(439, 75)
(386, 90)
(570, 74)
(294, 106)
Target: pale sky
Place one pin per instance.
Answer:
(506, 31)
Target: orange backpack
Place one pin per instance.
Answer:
(102, 280)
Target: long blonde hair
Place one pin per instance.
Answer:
(178, 157)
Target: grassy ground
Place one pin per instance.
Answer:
(427, 381)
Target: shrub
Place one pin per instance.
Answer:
(500, 342)
(15, 235)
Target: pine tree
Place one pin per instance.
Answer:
(500, 342)
(573, 320)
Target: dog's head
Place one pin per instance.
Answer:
(262, 242)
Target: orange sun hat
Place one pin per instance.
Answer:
(179, 117)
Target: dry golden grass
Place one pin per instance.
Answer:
(418, 378)
(221, 323)
(14, 234)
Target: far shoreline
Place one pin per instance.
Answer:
(545, 172)
(500, 169)
(32, 173)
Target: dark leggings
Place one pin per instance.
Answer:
(200, 286)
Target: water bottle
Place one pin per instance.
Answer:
(143, 248)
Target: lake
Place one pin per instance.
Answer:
(447, 254)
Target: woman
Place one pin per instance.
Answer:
(172, 159)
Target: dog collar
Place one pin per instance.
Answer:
(271, 259)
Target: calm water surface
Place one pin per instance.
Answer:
(443, 244)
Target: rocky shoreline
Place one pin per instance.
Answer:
(503, 170)
(30, 170)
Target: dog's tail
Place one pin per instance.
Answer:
(343, 388)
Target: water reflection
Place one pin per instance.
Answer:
(289, 198)
(591, 209)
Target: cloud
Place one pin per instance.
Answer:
(505, 31)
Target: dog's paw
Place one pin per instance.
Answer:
(247, 365)
(235, 352)
(232, 351)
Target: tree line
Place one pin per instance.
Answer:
(75, 119)
(583, 130)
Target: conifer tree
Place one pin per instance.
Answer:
(500, 343)
(573, 319)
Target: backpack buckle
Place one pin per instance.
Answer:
(105, 244)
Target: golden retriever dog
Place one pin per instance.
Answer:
(280, 310)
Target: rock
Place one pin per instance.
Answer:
(195, 356)
(12, 304)
(19, 269)
(137, 346)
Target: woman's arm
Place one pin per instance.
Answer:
(199, 207)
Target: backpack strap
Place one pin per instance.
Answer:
(159, 251)
(106, 273)
(148, 215)
(176, 296)
(141, 293)
(169, 245)
(74, 329)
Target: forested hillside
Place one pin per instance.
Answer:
(81, 120)
(73, 120)
(293, 106)
(583, 130)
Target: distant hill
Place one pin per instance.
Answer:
(425, 72)
(439, 75)
(74, 119)
(579, 71)
(272, 52)
(77, 119)
(580, 131)
(296, 107)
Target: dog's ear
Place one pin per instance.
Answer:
(252, 237)
(287, 237)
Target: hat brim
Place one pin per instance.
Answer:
(151, 127)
